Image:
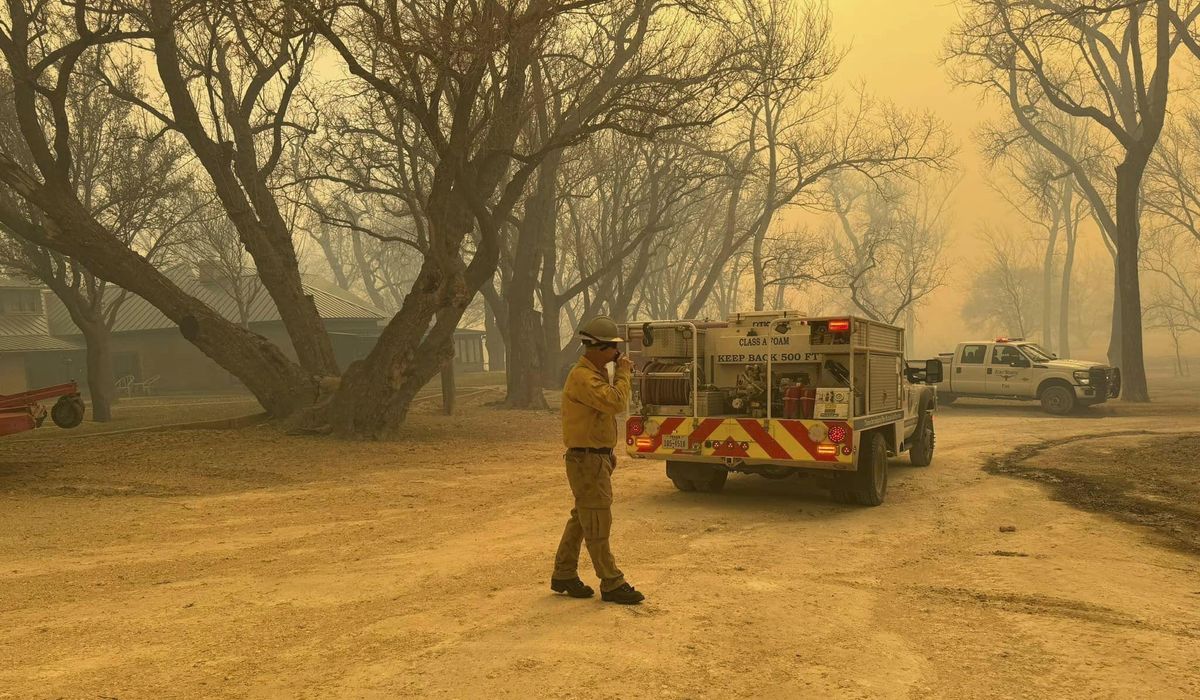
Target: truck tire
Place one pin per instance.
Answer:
(1057, 399)
(696, 476)
(712, 483)
(945, 398)
(680, 474)
(868, 483)
(920, 453)
(67, 412)
(684, 484)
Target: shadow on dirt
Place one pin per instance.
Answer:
(1137, 476)
(751, 493)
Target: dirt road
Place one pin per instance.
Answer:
(249, 563)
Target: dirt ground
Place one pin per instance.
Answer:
(251, 563)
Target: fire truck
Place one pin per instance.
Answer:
(779, 393)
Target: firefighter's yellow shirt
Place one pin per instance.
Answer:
(590, 405)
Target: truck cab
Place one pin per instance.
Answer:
(1011, 368)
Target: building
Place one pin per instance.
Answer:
(29, 355)
(40, 345)
(468, 351)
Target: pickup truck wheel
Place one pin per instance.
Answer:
(1058, 400)
(920, 454)
(945, 398)
(870, 481)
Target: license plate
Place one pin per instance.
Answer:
(675, 442)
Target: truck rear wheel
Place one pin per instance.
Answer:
(920, 453)
(696, 476)
(713, 482)
(869, 482)
(1058, 399)
(684, 484)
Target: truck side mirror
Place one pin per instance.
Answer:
(929, 373)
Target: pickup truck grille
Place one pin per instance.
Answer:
(1106, 381)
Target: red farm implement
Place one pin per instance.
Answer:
(21, 412)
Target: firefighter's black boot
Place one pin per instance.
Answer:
(625, 594)
(572, 587)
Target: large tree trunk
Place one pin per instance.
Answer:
(376, 392)
(525, 360)
(99, 370)
(1064, 293)
(760, 286)
(525, 347)
(1048, 283)
(494, 339)
(1133, 370)
(1114, 334)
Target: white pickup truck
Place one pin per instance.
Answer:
(1007, 368)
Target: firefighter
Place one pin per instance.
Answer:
(590, 405)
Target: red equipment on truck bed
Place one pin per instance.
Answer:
(21, 412)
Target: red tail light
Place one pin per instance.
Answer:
(839, 326)
(837, 434)
(634, 426)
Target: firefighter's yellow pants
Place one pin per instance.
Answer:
(590, 476)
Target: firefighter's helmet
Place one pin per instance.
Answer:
(601, 329)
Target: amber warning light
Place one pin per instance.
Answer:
(838, 326)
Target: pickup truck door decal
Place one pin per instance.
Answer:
(1005, 378)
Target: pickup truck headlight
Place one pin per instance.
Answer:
(1082, 376)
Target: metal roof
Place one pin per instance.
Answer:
(36, 343)
(23, 324)
(137, 314)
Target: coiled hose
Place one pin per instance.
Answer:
(667, 384)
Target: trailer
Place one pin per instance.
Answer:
(23, 411)
(780, 393)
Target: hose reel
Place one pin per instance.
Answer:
(668, 383)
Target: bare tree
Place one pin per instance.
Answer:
(44, 48)
(888, 243)
(1170, 192)
(470, 91)
(1003, 298)
(1108, 63)
(230, 72)
(211, 245)
(1172, 257)
(125, 176)
(1041, 190)
(1171, 249)
(873, 139)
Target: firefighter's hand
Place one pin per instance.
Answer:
(624, 363)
